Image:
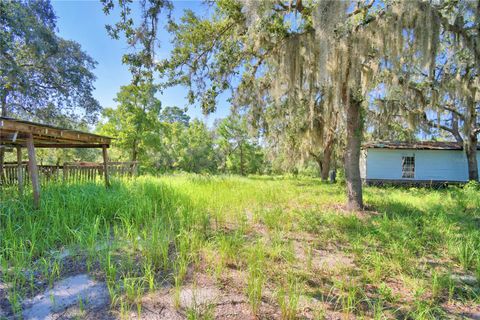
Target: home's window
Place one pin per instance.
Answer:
(408, 167)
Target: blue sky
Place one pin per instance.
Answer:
(84, 22)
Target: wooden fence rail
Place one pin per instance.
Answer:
(10, 173)
(69, 172)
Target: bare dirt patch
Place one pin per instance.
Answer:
(4, 305)
(462, 311)
(322, 259)
(73, 296)
(201, 297)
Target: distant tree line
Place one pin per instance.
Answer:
(165, 139)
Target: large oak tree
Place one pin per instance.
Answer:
(298, 48)
(42, 76)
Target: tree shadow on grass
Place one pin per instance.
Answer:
(361, 301)
(416, 237)
(446, 214)
(300, 181)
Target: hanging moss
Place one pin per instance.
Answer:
(310, 72)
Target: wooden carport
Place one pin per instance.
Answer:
(20, 134)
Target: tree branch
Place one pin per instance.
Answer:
(470, 40)
(361, 9)
(452, 110)
(452, 131)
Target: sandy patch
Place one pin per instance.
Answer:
(71, 296)
(462, 311)
(321, 259)
(201, 297)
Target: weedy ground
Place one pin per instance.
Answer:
(258, 247)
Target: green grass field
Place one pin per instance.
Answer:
(286, 246)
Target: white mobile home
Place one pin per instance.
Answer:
(418, 162)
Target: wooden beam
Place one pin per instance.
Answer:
(33, 169)
(51, 132)
(105, 165)
(22, 137)
(19, 171)
(52, 144)
(70, 145)
(7, 139)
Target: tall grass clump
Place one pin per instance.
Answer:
(256, 275)
(134, 221)
(288, 296)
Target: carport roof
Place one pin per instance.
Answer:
(14, 132)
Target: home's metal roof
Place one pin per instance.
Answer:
(417, 145)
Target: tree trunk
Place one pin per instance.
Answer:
(319, 161)
(134, 151)
(352, 154)
(242, 169)
(455, 129)
(326, 164)
(471, 152)
(327, 156)
(471, 140)
(353, 104)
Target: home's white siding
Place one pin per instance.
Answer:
(478, 160)
(363, 164)
(440, 165)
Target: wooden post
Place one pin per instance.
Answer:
(19, 171)
(33, 169)
(105, 165)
